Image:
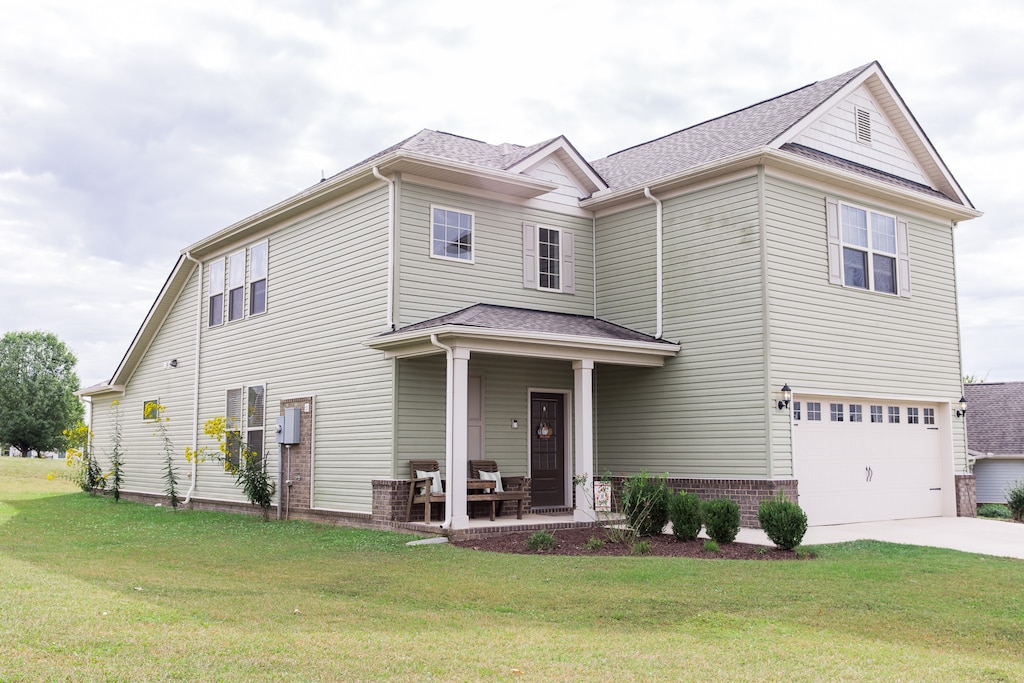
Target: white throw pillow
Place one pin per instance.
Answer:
(496, 478)
(435, 484)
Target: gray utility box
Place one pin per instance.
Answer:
(288, 427)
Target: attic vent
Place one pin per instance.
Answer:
(863, 117)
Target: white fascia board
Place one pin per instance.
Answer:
(532, 344)
(978, 455)
(583, 170)
(100, 390)
(850, 179)
(819, 392)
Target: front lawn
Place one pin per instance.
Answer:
(92, 590)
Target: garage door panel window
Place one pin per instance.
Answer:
(814, 411)
(894, 415)
(929, 416)
(876, 414)
(835, 411)
(796, 410)
(856, 413)
(912, 416)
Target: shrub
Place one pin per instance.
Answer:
(783, 521)
(541, 540)
(1015, 500)
(721, 519)
(711, 547)
(641, 548)
(594, 543)
(994, 511)
(645, 503)
(684, 511)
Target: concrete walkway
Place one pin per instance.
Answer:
(985, 536)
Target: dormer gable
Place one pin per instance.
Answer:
(868, 123)
(558, 162)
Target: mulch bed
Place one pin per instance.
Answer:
(573, 542)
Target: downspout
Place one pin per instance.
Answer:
(390, 323)
(195, 378)
(658, 240)
(448, 419)
(593, 259)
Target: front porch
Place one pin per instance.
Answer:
(511, 385)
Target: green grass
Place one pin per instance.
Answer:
(90, 590)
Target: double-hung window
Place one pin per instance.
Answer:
(451, 234)
(236, 285)
(867, 249)
(258, 278)
(216, 292)
(245, 416)
(549, 259)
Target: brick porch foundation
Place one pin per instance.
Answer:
(391, 497)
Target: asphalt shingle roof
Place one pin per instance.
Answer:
(507, 318)
(995, 417)
(740, 131)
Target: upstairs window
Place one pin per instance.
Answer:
(869, 249)
(216, 292)
(549, 259)
(258, 278)
(451, 234)
(236, 285)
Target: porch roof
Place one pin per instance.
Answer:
(505, 330)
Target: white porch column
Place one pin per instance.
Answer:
(583, 396)
(457, 470)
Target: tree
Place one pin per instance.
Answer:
(37, 392)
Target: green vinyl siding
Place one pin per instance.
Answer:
(141, 444)
(846, 340)
(702, 414)
(430, 287)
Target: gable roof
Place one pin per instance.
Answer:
(995, 418)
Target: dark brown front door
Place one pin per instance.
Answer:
(547, 450)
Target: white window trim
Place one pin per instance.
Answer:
(561, 260)
(265, 278)
(836, 265)
(211, 293)
(242, 285)
(472, 233)
(243, 427)
(870, 249)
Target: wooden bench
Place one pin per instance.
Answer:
(515, 488)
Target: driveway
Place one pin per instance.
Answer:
(985, 536)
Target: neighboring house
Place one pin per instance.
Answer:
(995, 437)
(452, 299)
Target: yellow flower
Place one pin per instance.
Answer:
(49, 476)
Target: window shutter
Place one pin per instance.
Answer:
(529, 256)
(568, 262)
(835, 256)
(903, 250)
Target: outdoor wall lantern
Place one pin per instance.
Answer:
(787, 396)
(963, 407)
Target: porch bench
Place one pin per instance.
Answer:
(515, 488)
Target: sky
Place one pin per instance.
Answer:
(131, 129)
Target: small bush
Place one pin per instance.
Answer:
(721, 519)
(783, 521)
(645, 503)
(1015, 500)
(594, 543)
(641, 548)
(684, 511)
(711, 547)
(541, 540)
(994, 511)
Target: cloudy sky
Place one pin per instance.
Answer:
(129, 130)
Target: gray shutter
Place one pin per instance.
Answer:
(568, 262)
(529, 256)
(835, 254)
(903, 250)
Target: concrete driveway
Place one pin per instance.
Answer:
(985, 536)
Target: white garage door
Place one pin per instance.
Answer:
(866, 461)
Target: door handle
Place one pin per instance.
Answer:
(868, 474)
